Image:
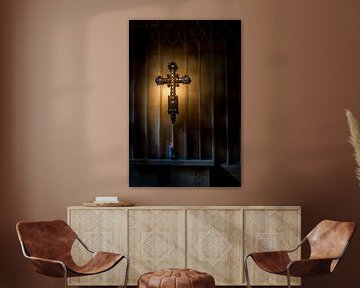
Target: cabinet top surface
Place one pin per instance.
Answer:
(192, 207)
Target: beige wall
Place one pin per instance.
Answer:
(64, 112)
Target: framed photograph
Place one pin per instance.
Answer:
(185, 103)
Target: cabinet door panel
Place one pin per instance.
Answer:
(100, 230)
(214, 244)
(157, 240)
(270, 230)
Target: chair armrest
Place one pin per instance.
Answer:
(84, 245)
(32, 258)
(281, 251)
(298, 246)
(309, 267)
(268, 253)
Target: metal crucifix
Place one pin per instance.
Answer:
(173, 80)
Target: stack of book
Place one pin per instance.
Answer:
(106, 199)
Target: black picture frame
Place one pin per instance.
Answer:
(185, 133)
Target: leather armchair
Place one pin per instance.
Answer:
(48, 245)
(328, 242)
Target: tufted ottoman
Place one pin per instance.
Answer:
(176, 278)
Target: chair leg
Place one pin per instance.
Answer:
(126, 271)
(65, 275)
(246, 272)
(288, 278)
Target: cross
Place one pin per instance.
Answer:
(173, 80)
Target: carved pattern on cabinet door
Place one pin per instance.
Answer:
(213, 246)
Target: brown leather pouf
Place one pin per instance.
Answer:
(176, 278)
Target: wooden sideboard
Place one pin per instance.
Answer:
(212, 239)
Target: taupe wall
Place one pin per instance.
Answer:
(64, 112)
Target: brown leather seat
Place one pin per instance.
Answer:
(328, 242)
(176, 278)
(48, 245)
